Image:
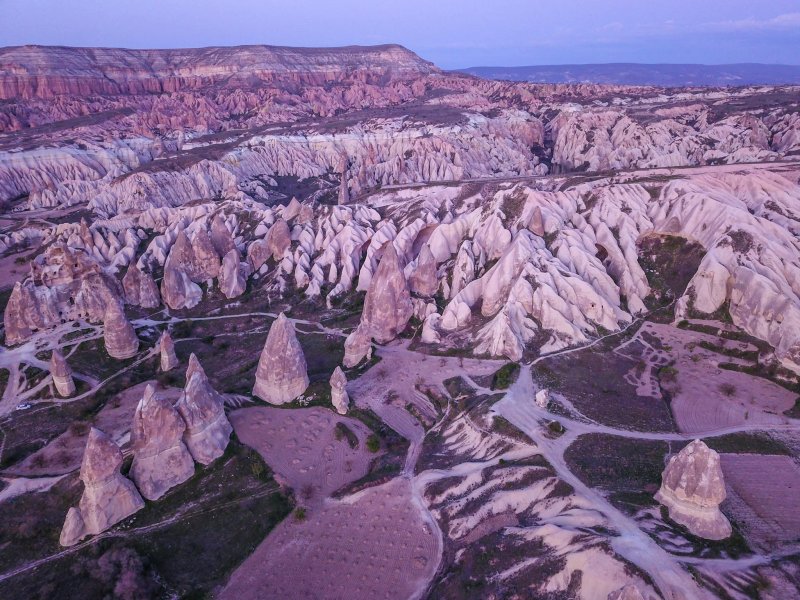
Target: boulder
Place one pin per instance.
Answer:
(166, 347)
(160, 458)
(118, 333)
(281, 375)
(62, 375)
(692, 488)
(339, 397)
(139, 288)
(208, 430)
(387, 305)
(108, 497)
(423, 280)
(542, 398)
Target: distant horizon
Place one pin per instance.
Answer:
(381, 44)
(453, 34)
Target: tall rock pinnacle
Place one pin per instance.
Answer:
(281, 375)
(62, 375)
(118, 333)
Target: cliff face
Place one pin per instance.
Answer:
(48, 71)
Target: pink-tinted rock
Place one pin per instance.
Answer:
(692, 488)
(118, 333)
(140, 289)
(423, 280)
(281, 375)
(387, 305)
(166, 348)
(160, 458)
(62, 375)
(203, 410)
(339, 397)
(221, 236)
(108, 497)
(233, 275)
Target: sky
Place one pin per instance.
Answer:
(451, 33)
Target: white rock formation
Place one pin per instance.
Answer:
(692, 488)
(108, 497)
(62, 374)
(118, 333)
(160, 458)
(208, 430)
(233, 275)
(339, 397)
(542, 398)
(281, 375)
(140, 289)
(166, 348)
(387, 305)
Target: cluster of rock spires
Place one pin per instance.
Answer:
(692, 488)
(166, 441)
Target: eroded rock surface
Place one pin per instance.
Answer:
(108, 497)
(160, 458)
(203, 410)
(166, 348)
(339, 397)
(62, 375)
(281, 375)
(140, 289)
(118, 333)
(692, 488)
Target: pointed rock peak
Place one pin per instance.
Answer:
(101, 458)
(291, 210)
(282, 373)
(338, 378)
(195, 367)
(58, 364)
(165, 341)
(148, 396)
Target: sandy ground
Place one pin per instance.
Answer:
(706, 397)
(64, 453)
(300, 447)
(769, 490)
(378, 543)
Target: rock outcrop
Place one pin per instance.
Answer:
(108, 497)
(357, 346)
(160, 458)
(140, 289)
(118, 333)
(423, 280)
(178, 290)
(203, 410)
(339, 397)
(166, 348)
(387, 305)
(233, 275)
(221, 236)
(628, 592)
(62, 374)
(282, 373)
(692, 488)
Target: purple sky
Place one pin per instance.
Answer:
(452, 33)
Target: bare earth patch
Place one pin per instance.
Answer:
(378, 543)
(764, 495)
(300, 446)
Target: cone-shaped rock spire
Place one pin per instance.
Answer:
(281, 375)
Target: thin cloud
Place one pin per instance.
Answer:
(788, 21)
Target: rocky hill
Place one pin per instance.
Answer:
(44, 72)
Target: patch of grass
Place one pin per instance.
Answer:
(299, 514)
(373, 443)
(619, 465)
(343, 432)
(747, 443)
(505, 376)
(669, 262)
